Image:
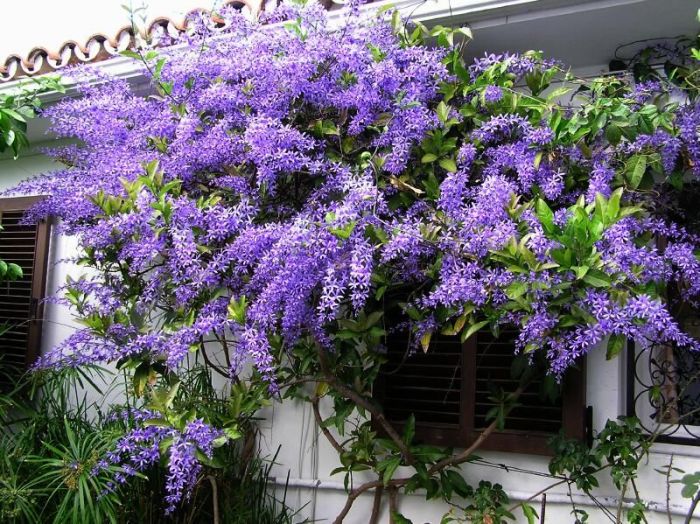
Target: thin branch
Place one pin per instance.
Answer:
(691, 510)
(319, 421)
(393, 504)
(636, 495)
(464, 456)
(376, 505)
(214, 498)
(361, 401)
(224, 345)
(452, 461)
(209, 363)
(543, 508)
(668, 490)
(618, 513)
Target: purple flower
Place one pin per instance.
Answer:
(493, 94)
(139, 449)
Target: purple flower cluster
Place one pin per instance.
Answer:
(290, 172)
(139, 449)
(515, 64)
(254, 199)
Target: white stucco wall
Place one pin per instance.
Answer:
(305, 455)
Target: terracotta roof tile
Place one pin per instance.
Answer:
(100, 46)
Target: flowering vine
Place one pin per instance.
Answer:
(291, 183)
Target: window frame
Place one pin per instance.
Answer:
(574, 414)
(39, 274)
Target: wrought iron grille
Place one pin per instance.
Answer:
(663, 391)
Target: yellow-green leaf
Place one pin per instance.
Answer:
(448, 164)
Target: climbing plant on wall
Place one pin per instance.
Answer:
(19, 106)
(298, 190)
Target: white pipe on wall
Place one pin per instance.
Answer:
(554, 498)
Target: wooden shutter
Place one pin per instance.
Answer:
(21, 300)
(429, 385)
(530, 425)
(448, 390)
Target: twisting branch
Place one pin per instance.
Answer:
(439, 466)
(361, 401)
(224, 345)
(214, 498)
(208, 361)
(691, 510)
(319, 421)
(452, 461)
(352, 497)
(464, 456)
(393, 504)
(376, 505)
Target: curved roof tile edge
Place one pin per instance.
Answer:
(101, 47)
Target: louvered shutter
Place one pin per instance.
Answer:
(20, 300)
(429, 385)
(448, 390)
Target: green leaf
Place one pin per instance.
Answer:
(165, 444)
(688, 491)
(428, 157)
(220, 441)
(613, 209)
(530, 513)
(443, 112)
(473, 329)
(10, 137)
(538, 159)
(232, 432)
(425, 341)
(237, 309)
(557, 93)
(635, 169)
(545, 214)
(212, 462)
(459, 485)
(448, 164)
(130, 54)
(580, 271)
(13, 114)
(398, 518)
(140, 379)
(616, 344)
(390, 467)
(597, 278)
(158, 422)
(614, 134)
(601, 206)
(344, 232)
(515, 290)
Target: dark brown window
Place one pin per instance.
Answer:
(448, 390)
(21, 308)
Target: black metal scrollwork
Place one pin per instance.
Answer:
(664, 391)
